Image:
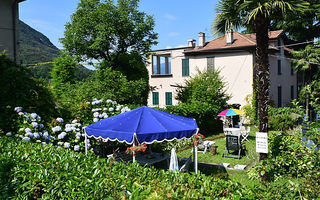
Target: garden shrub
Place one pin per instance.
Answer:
(104, 84)
(28, 172)
(289, 158)
(60, 133)
(282, 119)
(19, 88)
(204, 113)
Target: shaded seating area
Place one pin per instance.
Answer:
(143, 125)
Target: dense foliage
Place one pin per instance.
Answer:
(19, 88)
(63, 72)
(204, 113)
(204, 87)
(291, 158)
(103, 84)
(27, 172)
(282, 119)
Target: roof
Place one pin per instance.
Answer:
(241, 41)
(21, 1)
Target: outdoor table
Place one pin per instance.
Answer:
(150, 159)
(145, 159)
(232, 131)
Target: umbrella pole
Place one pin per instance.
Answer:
(133, 153)
(195, 157)
(85, 142)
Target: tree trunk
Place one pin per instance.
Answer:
(262, 59)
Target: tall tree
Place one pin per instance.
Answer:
(63, 71)
(303, 25)
(258, 15)
(104, 30)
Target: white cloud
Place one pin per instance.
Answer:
(173, 34)
(168, 47)
(181, 45)
(169, 16)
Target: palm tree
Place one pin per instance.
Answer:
(256, 16)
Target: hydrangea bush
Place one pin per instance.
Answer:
(60, 133)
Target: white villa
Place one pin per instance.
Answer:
(234, 55)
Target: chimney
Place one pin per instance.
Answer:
(202, 39)
(229, 36)
(191, 43)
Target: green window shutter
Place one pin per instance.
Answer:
(155, 98)
(210, 64)
(185, 67)
(168, 98)
(279, 67)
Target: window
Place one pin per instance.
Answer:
(161, 64)
(292, 92)
(168, 98)
(185, 67)
(210, 64)
(279, 96)
(279, 67)
(155, 98)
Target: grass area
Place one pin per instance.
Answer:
(247, 158)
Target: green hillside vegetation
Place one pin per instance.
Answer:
(37, 48)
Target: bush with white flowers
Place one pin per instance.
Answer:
(60, 133)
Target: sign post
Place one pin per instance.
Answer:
(262, 142)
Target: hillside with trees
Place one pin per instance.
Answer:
(36, 48)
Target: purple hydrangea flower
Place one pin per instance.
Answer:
(62, 135)
(59, 119)
(34, 115)
(18, 109)
(34, 124)
(41, 125)
(28, 130)
(111, 109)
(36, 135)
(26, 139)
(78, 134)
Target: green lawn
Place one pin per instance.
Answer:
(246, 159)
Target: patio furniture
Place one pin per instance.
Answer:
(245, 134)
(233, 143)
(206, 145)
(186, 164)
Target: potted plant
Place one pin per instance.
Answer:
(134, 149)
(197, 138)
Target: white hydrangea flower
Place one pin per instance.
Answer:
(76, 148)
(95, 120)
(111, 109)
(66, 145)
(34, 124)
(18, 109)
(34, 115)
(26, 139)
(74, 121)
(9, 134)
(96, 114)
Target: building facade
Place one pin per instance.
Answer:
(9, 17)
(234, 56)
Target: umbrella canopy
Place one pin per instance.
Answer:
(145, 124)
(230, 112)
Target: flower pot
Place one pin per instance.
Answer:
(213, 150)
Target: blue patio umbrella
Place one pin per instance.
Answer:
(144, 124)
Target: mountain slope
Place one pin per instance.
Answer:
(36, 48)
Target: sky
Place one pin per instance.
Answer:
(176, 21)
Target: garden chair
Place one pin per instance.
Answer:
(233, 143)
(185, 166)
(245, 134)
